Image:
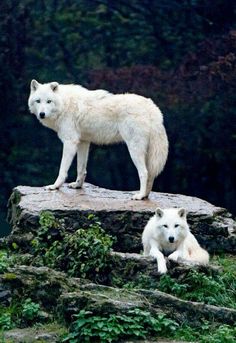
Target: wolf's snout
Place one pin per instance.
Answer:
(42, 115)
(171, 239)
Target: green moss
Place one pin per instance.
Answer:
(15, 197)
(9, 276)
(13, 208)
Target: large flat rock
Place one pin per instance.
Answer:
(93, 198)
(119, 215)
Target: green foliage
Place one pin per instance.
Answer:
(47, 221)
(142, 324)
(5, 260)
(207, 333)
(5, 321)
(11, 315)
(212, 290)
(168, 284)
(20, 313)
(30, 310)
(83, 253)
(215, 288)
(223, 333)
(110, 328)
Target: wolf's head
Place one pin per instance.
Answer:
(44, 100)
(172, 224)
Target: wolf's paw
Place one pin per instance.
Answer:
(174, 256)
(50, 187)
(139, 196)
(75, 185)
(162, 269)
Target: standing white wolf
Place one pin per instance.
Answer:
(81, 117)
(167, 232)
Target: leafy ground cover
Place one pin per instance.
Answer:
(85, 253)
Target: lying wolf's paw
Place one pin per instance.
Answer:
(138, 196)
(162, 269)
(174, 256)
(50, 187)
(75, 185)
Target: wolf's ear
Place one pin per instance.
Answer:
(54, 86)
(34, 85)
(182, 213)
(159, 213)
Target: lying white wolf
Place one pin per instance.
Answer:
(81, 117)
(167, 232)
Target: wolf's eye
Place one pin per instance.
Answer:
(166, 226)
(49, 101)
(176, 225)
(38, 101)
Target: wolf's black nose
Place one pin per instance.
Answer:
(171, 239)
(42, 115)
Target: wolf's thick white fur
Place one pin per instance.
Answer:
(168, 231)
(81, 117)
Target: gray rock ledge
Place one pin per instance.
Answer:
(119, 215)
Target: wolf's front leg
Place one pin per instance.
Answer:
(82, 159)
(69, 151)
(161, 262)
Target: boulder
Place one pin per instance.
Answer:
(120, 216)
(41, 284)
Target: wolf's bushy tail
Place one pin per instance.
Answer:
(158, 145)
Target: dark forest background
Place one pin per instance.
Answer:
(182, 54)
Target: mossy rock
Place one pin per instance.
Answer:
(119, 215)
(50, 333)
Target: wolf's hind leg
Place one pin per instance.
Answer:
(82, 159)
(138, 158)
(150, 183)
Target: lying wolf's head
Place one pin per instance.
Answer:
(44, 100)
(172, 224)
